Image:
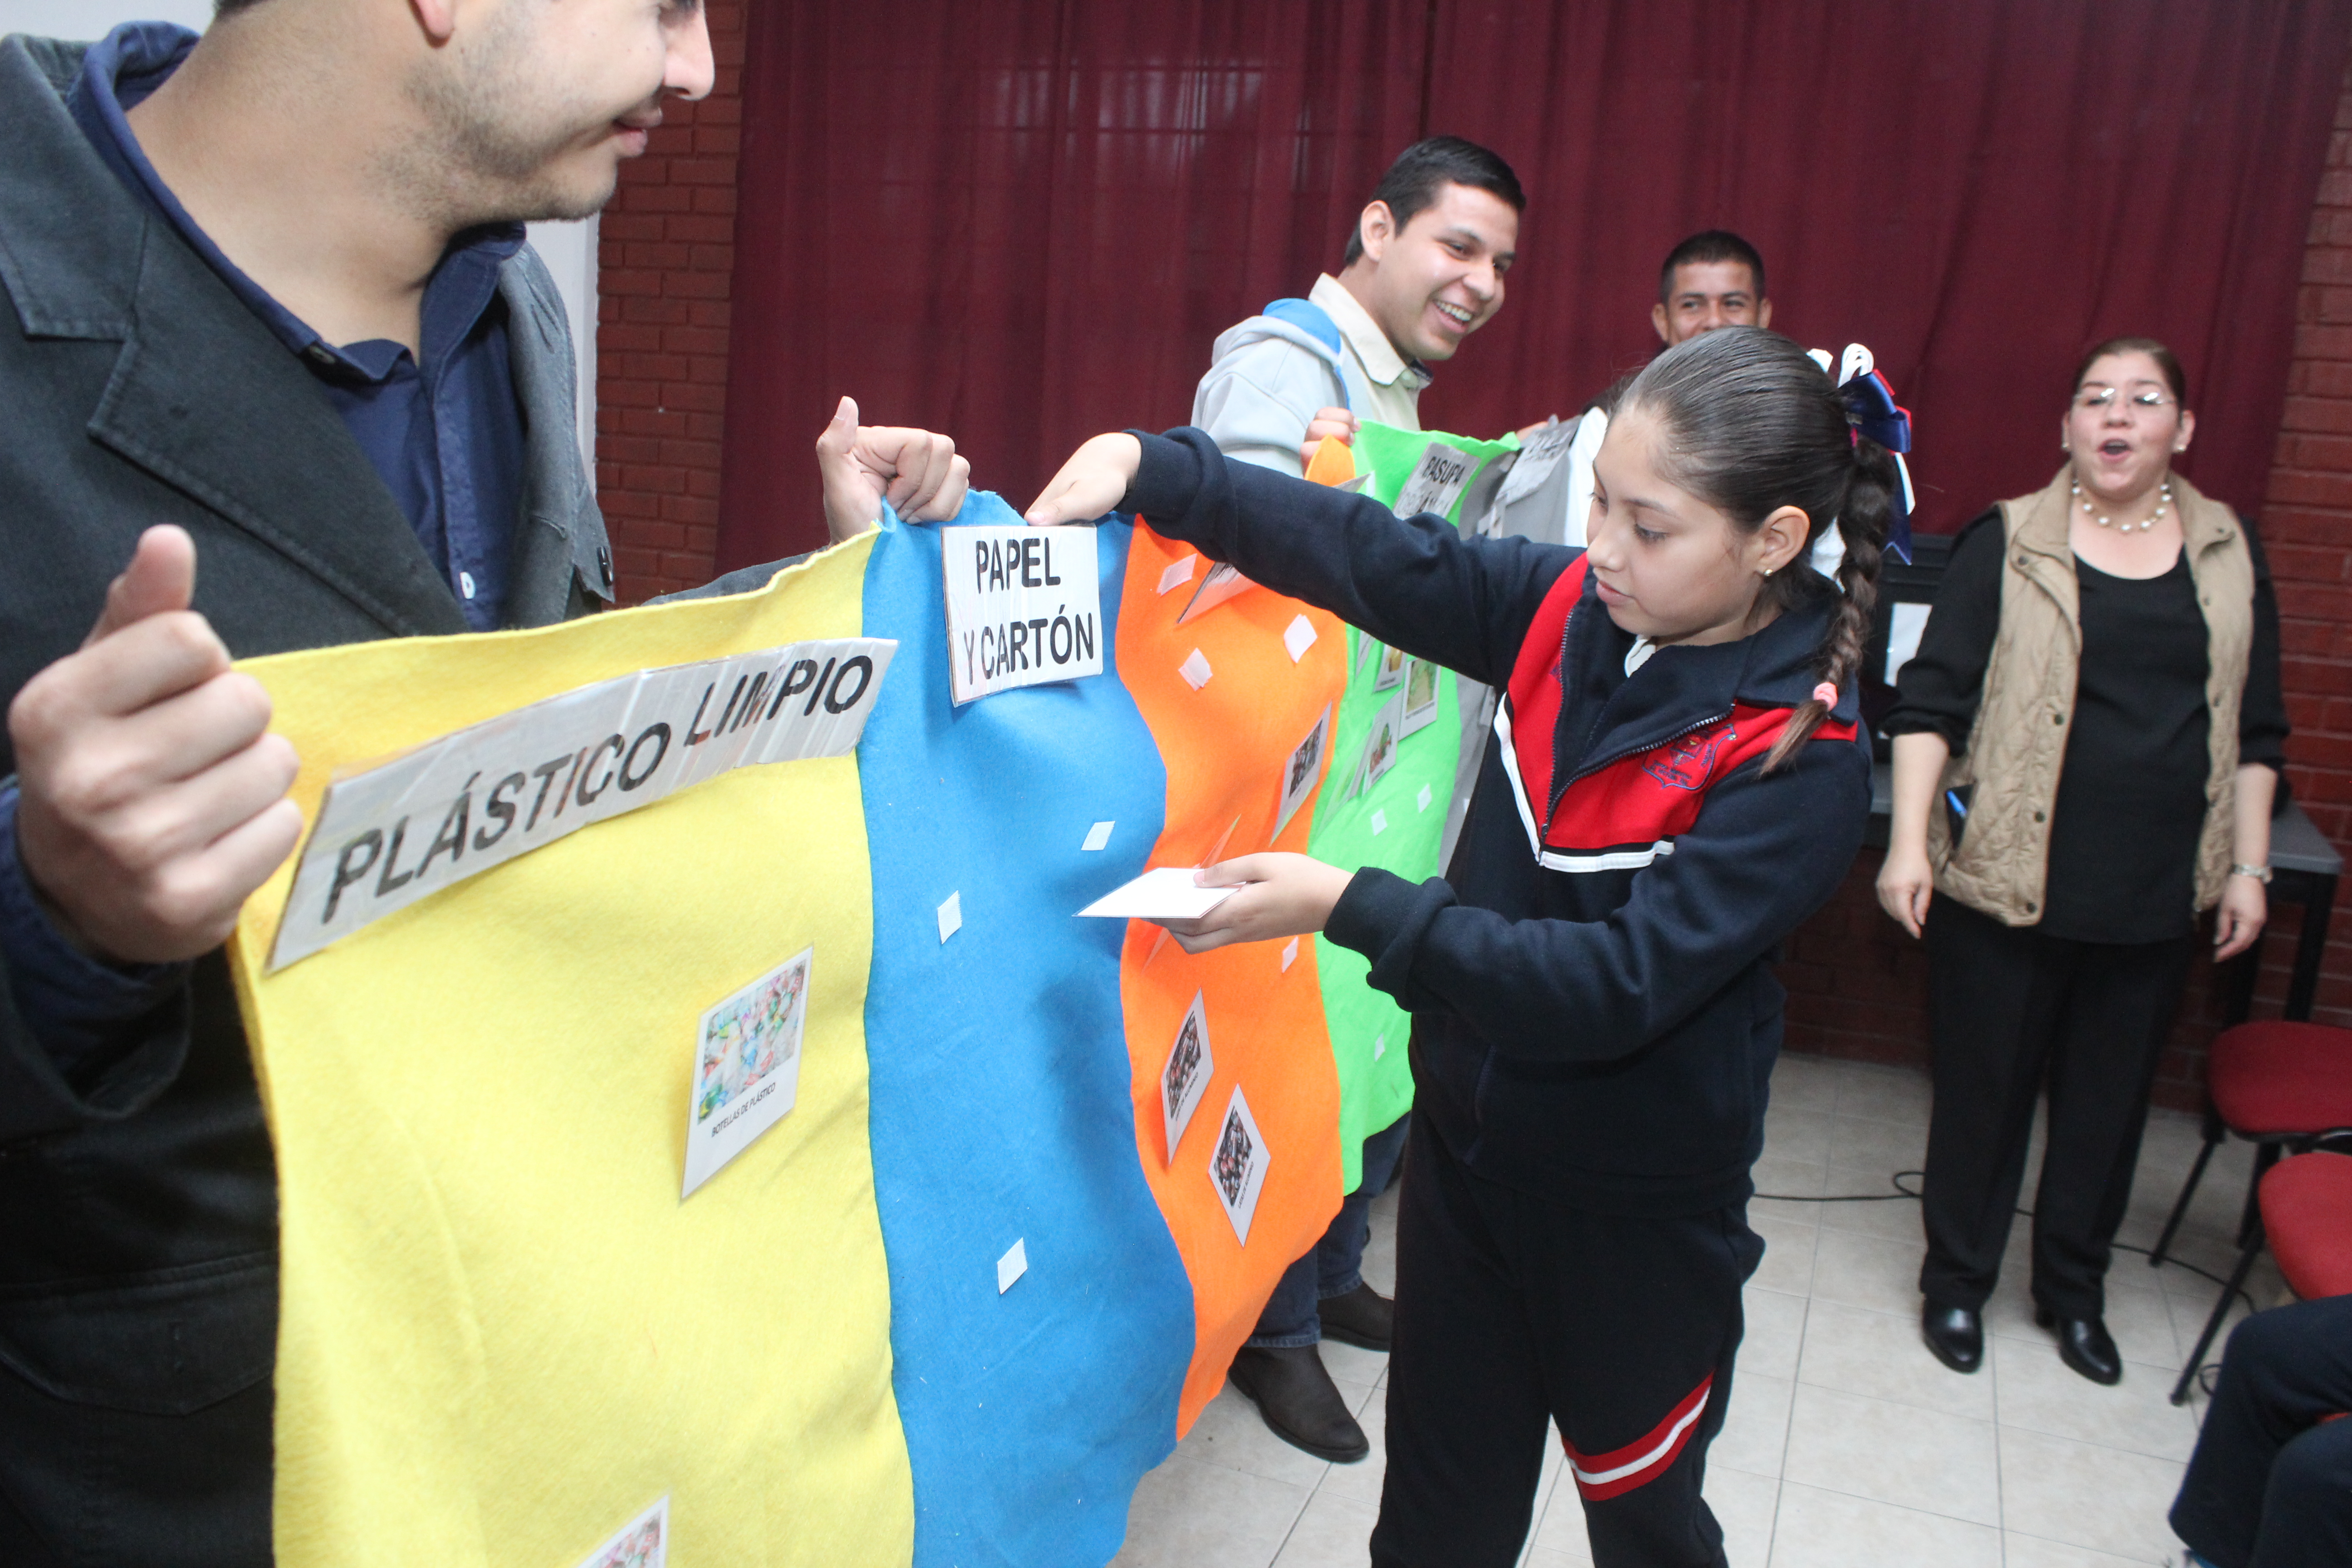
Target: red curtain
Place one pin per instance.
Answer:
(1025, 224)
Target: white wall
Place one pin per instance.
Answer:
(569, 249)
(96, 18)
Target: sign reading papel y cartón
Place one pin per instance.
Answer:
(1024, 606)
(486, 793)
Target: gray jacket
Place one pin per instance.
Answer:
(138, 1198)
(1267, 380)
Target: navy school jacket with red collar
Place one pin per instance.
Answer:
(1595, 1016)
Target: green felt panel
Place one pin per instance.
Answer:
(1408, 803)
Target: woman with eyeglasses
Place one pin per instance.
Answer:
(2085, 750)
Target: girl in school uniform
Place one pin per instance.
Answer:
(1673, 784)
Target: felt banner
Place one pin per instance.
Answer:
(941, 1289)
(502, 1335)
(1396, 748)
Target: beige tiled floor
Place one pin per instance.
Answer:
(1846, 1444)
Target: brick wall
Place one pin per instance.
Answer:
(1857, 986)
(666, 263)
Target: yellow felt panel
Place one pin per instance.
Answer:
(503, 1335)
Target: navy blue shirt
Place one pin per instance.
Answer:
(446, 434)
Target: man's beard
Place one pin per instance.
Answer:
(494, 149)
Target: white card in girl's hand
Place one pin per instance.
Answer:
(746, 1068)
(1162, 893)
(1237, 1168)
(1185, 1078)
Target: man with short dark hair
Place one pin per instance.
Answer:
(1714, 278)
(269, 312)
(1422, 269)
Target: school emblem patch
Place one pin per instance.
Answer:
(1686, 763)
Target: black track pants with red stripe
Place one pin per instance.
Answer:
(1510, 1309)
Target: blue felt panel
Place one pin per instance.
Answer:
(1002, 1103)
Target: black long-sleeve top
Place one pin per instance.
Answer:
(1597, 1029)
(2131, 789)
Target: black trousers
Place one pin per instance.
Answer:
(2269, 1485)
(1510, 1309)
(2007, 1007)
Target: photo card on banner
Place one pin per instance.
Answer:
(1185, 1077)
(1225, 581)
(643, 1542)
(1380, 745)
(1420, 698)
(1437, 481)
(747, 1066)
(1237, 1167)
(1304, 770)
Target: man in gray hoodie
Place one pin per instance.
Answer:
(1423, 269)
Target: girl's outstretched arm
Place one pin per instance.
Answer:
(1765, 853)
(1413, 583)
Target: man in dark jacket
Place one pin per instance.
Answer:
(271, 313)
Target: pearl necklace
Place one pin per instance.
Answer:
(2163, 505)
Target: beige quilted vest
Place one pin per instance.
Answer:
(2015, 750)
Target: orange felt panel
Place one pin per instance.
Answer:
(1225, 746)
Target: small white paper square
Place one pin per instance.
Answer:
(1289, 954)
(1179, 572)
(1012, 1266)
(1421, 801)
(1379, 821)
(643, 1542)
(1195, 670)
(951, 915)
(1379, 1046)
(746, 1068)
(1237, 1168)
(1184, 1077)
(1299, 638)
(1097, 837)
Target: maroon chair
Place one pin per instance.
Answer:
(2303, 1211)
(2285, 1086)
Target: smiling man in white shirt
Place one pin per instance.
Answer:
(1422, 270)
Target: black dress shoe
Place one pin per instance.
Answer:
(1363, 1318)
(2084, 1344)
(1301, 1403)
(1956, 1335)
